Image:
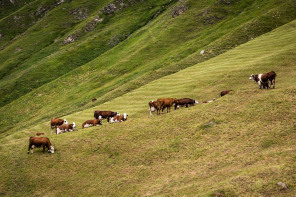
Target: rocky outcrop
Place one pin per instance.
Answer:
(92, 24)
(118, 5)
(179, 9)
(79, 13)
(69, 39)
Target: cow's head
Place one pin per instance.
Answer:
(125, 116)
(65, 121)
(100, 117)
(51, 149)
(195, 102)
(252, 77)
(115, 113)
(151, 106)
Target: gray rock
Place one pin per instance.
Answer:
(283, 185)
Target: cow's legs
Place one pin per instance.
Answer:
(32, 148)
(29, 148)
(273, 82)
(259, 83)
(43, 149)
(108, 119)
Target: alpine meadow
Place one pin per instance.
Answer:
(67, 59)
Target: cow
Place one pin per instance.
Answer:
(66, 128)
(54, 123)
(38, 134)
(223, 93)
(104, 114)
(165, 103)
(40, 142)
(90, 123)
(209, 101)
(265, 80)
(185, 101)
(119, 118)
(94, 99)
(152, 106)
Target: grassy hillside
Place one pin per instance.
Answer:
(242, 144)
(127, 50)
(97, 34)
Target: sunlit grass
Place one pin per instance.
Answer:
(242, 144)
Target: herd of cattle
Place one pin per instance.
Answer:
(264, 81)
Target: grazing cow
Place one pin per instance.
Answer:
(90, 123)
(119, 118)
(223, 93)
(152, 106)
(54, 123)
(185, 101)
(264, 80)
(209, 101)
(66, 128)
(165, 103)
(40, 142)
(94, 99)
(104, 114)
(38, 134)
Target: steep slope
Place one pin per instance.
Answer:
(9, 6)
(25, 67)
(163, 46)
(242, 144)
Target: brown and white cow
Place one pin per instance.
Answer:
(119, 118)
(265, 80)
(40, 142)
(223, 93)
(104, 114)
(165, 103)
(66, 128)
(55, 122)
(90, 123)
(185, 101)
(152, 106)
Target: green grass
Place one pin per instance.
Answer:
(246, 152)
(55, 59)
(62, 79)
